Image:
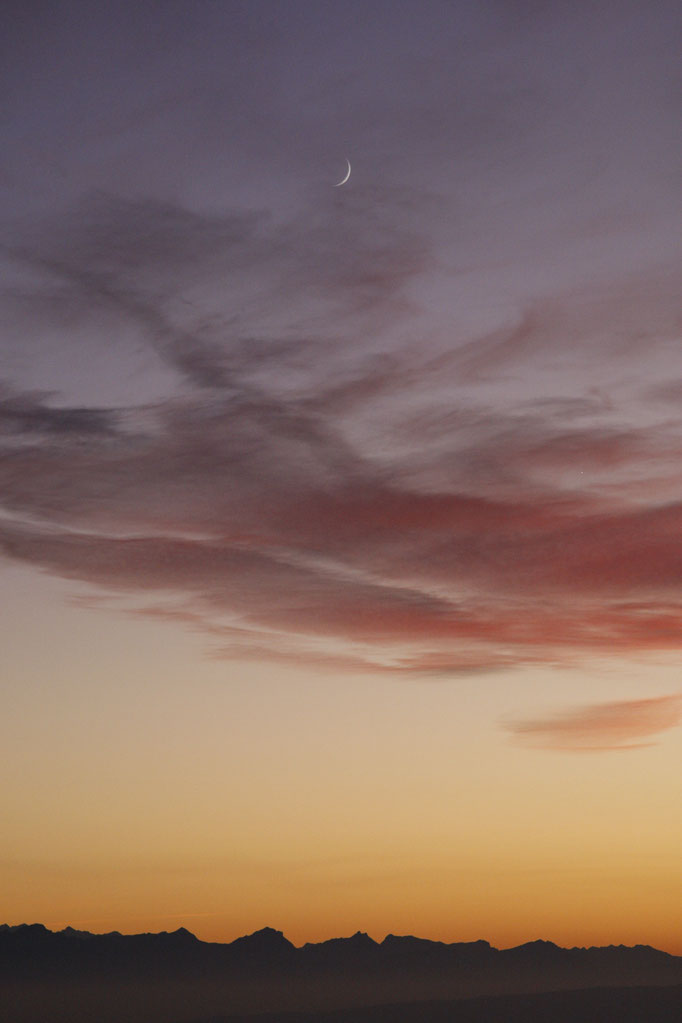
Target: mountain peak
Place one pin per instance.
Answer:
(537, 947)
(27, 929)
(267, 933)
(266, 940)
(181, 934)
(72, 932)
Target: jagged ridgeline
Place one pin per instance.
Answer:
(74, 976)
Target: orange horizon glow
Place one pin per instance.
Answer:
(337, 825)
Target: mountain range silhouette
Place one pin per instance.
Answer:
(173, 977)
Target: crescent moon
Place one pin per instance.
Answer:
(344, 179)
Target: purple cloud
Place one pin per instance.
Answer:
(325, 484)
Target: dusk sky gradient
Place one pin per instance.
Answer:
(340, 527)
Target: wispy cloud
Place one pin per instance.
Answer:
(28, 414)
(325, 483)
(603, 727)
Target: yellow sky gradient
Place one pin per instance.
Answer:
(152, 787)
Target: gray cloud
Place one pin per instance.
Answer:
(24, 415)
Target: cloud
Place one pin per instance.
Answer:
(326, 483)
(602, 727)
(166, 272)
(26, 415)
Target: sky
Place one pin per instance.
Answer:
(341, 575)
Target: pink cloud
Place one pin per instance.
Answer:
(413, 505)
(602, 727)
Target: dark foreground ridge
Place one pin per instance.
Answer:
(595, 1005)
(174, 977)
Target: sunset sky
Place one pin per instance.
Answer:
(341, 573)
